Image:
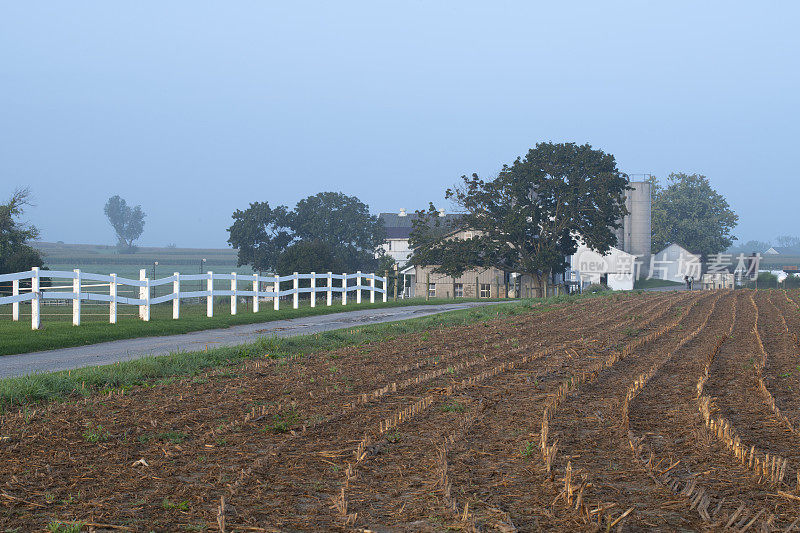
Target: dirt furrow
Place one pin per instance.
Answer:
(779, 333)
(515, 443)
(591, 435)
(277, 439)
(349, 505)
(737, 396)
(670, 441)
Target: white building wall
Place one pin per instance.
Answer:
(397, 249)
(673, 263)
(590, 267)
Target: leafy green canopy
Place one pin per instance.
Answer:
(15, 254)
(341, 224)
(127, 221)
(689, 212)
(309, 256)
(529, 218)
(260, 233)
(344, 223)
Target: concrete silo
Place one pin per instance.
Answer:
(635, 234)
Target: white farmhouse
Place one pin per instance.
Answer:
(674, 263)
(398, 230)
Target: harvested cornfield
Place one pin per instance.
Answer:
(658, 412)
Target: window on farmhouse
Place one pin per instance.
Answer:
(458, 290)
(432, 290)
(486, 290)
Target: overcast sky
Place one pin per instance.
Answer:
(193, 109)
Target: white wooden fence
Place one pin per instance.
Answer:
(320, 283)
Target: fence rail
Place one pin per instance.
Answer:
(255, 285)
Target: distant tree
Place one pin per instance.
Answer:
(127, 221)
(689, 212)
(750, 247)
(261, 233)
(767, 280)
(530, 217)
(309, 256)
(788, 241)
(15, 254)
(344, 223)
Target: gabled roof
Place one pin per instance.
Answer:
(783, 250)
(399, 227)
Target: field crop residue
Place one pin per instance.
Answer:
(669, 411)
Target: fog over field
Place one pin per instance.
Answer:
(193, 110)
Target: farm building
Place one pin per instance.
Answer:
(620, 267)
(783, 250)
(633, 247)
(475, 283)
(398, 230)
(615, 269)
(675, 262)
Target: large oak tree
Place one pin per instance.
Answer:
(260, 233)
(342, 222)
(335, 222)
(689, 212)
(530, 218)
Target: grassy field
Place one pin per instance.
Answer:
(104, 259)
(653, 283)
(58, 332)
(15, 392)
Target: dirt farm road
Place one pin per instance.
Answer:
(127, 349)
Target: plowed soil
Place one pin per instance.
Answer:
(647, 412)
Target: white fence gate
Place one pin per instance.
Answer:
(319, 283)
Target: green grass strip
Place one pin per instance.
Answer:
(58, 386)
(58, 331)
(655, 283)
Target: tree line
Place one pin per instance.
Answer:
(528, 219)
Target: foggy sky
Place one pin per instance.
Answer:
(193, 109)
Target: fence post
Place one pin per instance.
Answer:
(76, 298)
(15, 305)
(147, 297)
(276, 302)
(210, 297)
(330, 289)
(233, 296)
(142, 295)
(372, 288)
(255, 293)
(358, 284)
(344, 288)
(428, 286)
(296, 295)
(112, 306)
(386, 287)
(313, 289)
(176, 303)
(36, 317)
(396, 280)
